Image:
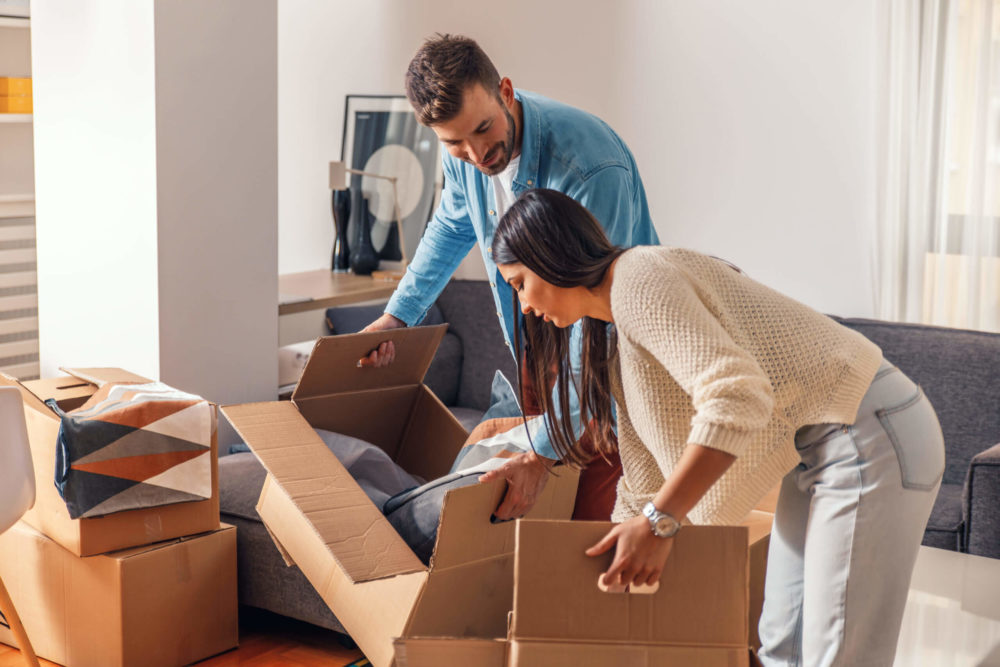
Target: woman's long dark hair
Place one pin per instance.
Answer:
(559, 240)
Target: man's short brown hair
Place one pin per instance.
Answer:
(441, 71)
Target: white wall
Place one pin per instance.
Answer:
(95, 185)
(752, 123)
(217, 196)
(156, 183)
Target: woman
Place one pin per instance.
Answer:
(725, 388)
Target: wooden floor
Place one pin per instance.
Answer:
(266, 640)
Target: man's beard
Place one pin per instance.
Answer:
(506, 147)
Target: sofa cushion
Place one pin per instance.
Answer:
(952, 365)
(467, 417)
(241, 477)
(944, 528)
(468, 308)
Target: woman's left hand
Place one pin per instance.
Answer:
(639, 557)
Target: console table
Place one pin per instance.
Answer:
(322, 289)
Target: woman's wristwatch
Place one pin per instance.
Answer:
(661, 523)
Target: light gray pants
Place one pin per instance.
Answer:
(849, 521)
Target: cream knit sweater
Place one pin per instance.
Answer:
(708, 356)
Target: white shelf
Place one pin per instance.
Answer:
(14, 22)
(16, 117)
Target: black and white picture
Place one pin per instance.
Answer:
(382, 136)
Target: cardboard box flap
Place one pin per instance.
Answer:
(355, 532)
(468, 511)
(131, 552)
(27, 396)
(333, 365)
(103, 376)
(702, 599)
(69, 392)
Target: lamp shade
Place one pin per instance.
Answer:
(338, 176)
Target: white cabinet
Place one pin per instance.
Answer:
(18, 278)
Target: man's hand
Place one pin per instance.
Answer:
(526, 475)
(639, 554)
(384, 354)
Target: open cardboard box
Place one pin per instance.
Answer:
(322, 521)
(120, 530)
(560, 618)
(456, 611)
(161, 605)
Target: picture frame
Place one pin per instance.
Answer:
(382, 136)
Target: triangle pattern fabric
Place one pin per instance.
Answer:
(141, 495)
(142, 414)
(89, 437)
(196, 418)
(139, 443)
(92, 490)
(190, 477)
(138, 468)
(127, 435)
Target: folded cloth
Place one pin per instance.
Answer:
(132, 446)
(415, 512)
(377, 474)
(489, 440)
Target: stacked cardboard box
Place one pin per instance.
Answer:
(155, 586)
(15, 94)
(495, 594)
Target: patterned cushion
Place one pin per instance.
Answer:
(132, 446)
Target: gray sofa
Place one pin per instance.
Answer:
(461, 375)
(958, 370)
(960, 374)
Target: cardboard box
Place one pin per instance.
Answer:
(121, 530)
(698, 616)
(323, 521)
(494, 594)
(161, 605)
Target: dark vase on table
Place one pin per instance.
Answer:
(364, 259)
(341, 204)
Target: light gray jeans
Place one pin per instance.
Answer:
(849, 521)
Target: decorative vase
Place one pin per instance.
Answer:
(341, 205)
(364, 259)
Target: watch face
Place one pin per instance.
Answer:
(664, 525)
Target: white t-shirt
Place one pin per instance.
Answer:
(503, 184)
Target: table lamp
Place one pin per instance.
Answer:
(338, 181)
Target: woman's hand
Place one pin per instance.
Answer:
(639, 555)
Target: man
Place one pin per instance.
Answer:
(501, 142)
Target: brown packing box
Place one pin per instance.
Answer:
(324, 522)
(571, 569)
(457, 611)
(161, 605)
(561, 618)
(121, 530)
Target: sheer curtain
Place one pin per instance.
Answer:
(937, 250)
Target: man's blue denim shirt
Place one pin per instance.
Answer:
(562, 148)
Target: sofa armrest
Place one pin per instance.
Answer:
(981, 504)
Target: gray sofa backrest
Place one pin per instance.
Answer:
(960, 373)
(467, 306)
